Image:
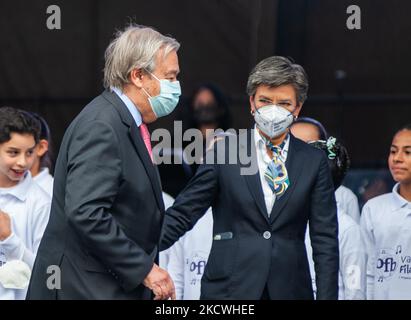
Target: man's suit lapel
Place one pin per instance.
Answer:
(139, 145)
(253, 181)
(294, 164)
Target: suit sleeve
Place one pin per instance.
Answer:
(93, 179)
(324, 233)
(191, 204)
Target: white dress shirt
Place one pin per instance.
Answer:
(386, 227)
(263, 160)
(348, 202)
(29, 208)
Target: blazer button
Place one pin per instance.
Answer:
(267, 235)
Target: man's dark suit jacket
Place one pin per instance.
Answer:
(106, 213)
(251, 250)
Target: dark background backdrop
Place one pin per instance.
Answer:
(56, 72)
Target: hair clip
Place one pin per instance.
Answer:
(331, 146)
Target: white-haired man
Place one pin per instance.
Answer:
(107, 206)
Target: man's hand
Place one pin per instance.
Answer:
(159, 281)
(5, 226)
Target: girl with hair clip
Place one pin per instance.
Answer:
(353, 258)
(386, 227)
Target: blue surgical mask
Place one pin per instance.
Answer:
(167, 100)
(273, 120)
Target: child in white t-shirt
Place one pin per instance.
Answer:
(24, 206)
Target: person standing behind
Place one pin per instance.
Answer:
(107, 208)
(42, 158)
(309, 129)
(24, 206)
(186, 259)
(353, 258)
(207, 111)
(386, 226)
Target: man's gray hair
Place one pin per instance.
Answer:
(276, 71)
(134, 47)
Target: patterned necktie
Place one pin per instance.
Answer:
(276, 173)
(145, 134)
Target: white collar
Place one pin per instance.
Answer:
(130, 106)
